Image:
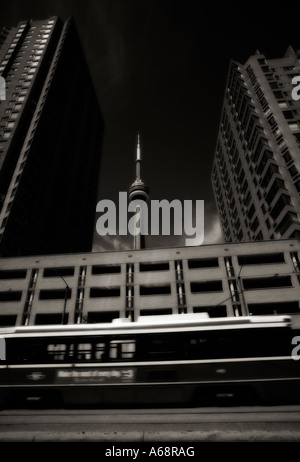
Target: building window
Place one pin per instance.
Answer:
(297, 185)
(13, 274)
(282, 104)
(267, 282)
(278, 94)
(163, 266)
(156, 312)
(293, 170)
(102, 316)
(218, 311)
(297, 136)
(7, 320)
(279, 206)
(276, 186)
(261, 259)
(206, 286)
(50, 318)
(251, 212)
(10, 296)
(55, 294)
(197, 263)
(106, 269)
(57, 272)
(254, 225)
(288, 114)
(288, 220)
(155, 290)
(104, 292)
(293, 126)
(287, 156)
(273, 308)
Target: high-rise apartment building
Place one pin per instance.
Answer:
(51, 131)
(256, 171)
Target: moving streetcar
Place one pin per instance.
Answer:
(167, 360)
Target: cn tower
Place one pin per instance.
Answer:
(138, 192)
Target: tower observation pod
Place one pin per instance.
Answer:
(138, 196)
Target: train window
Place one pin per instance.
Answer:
(84, 351)
(113, 350)
(122, 349)
(128, 349)
(164, 347)
(60, 351)
(57, 351)
(71, 351)
(99, 351)
(25, 350)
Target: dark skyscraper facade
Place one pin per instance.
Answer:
(51, 131)
(256, 172)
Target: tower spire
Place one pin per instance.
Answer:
(138, 149)
(138, 160)
(138, 191)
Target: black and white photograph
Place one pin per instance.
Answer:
(149, 225)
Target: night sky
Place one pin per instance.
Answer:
(159, 68)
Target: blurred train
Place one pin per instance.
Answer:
(171, 360)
